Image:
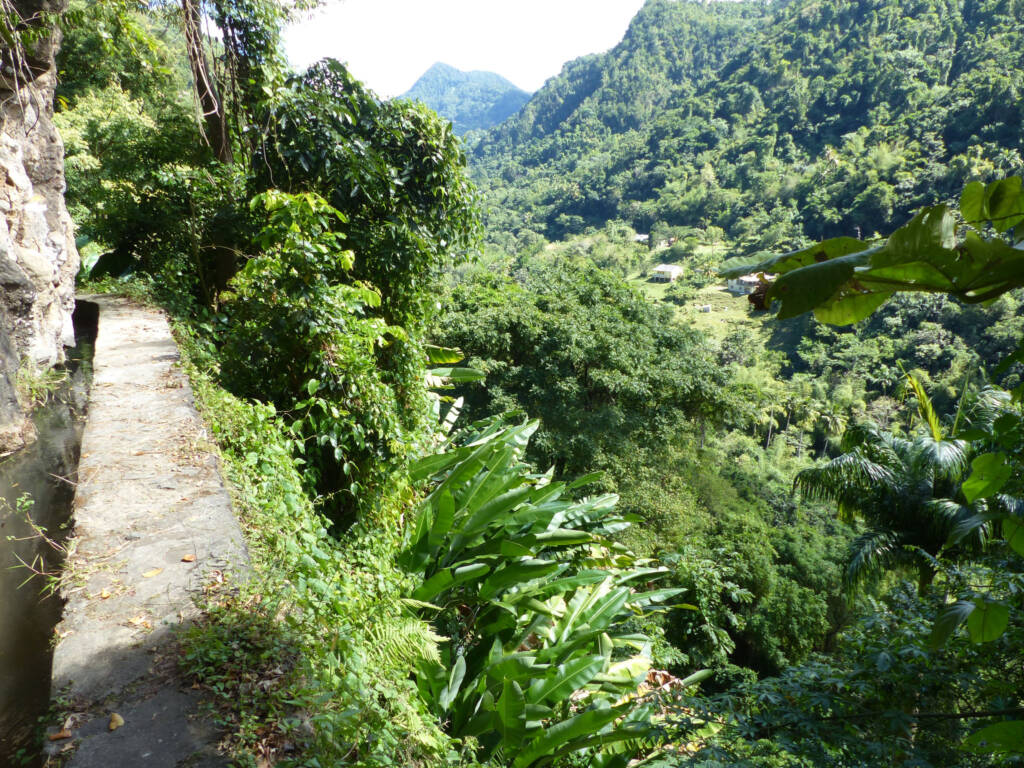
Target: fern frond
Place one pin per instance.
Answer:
(402, 642)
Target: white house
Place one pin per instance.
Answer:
(667, 273)
(747, 284)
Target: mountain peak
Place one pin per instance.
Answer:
(471, 100)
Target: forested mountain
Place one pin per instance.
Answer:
(773, 121)
(471, 100)
(439, 440)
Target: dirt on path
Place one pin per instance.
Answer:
(154, 527)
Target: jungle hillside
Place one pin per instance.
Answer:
(673, 421)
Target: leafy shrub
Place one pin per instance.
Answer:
(300, 335)
(536, 599)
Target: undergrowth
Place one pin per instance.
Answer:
(307, 661)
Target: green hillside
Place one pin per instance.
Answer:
(774, 121)
(471, 100)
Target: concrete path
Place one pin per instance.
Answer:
(153, 525)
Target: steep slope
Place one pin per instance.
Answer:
(774, 121)
(471, 100)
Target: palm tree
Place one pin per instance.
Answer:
(906, 490)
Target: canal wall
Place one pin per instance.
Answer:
(38, 258)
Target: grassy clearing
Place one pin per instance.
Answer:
(728, 312)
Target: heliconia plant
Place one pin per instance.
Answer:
(535, 598)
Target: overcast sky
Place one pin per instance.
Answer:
(388, 44)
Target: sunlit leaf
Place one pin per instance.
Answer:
(850, 309)
(987, 621)
(1006, 737)
(989, 473)
(1013, 532)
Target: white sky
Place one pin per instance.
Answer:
(388, 44)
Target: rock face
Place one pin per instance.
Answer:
(38, 258)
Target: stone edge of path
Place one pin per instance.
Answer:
(154, 527)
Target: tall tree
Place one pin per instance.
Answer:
(211, 105)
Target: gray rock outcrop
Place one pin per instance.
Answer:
(38, 258)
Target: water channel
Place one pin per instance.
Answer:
(37, 487)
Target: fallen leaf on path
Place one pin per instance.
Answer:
(152, 572)
(104, 594)
(116, 721)
(60, 735)
(188, 559)
(140, 621)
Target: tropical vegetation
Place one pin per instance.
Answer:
(511, 500)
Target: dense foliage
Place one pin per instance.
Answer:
(605, 371)
(436, 595)
(771, 120)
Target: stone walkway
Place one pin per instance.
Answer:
(153, 525)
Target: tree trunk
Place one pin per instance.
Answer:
(214, 119)
(925, 577)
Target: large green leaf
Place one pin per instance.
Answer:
(444, 518)
(603, 613)
(948, 620)
(515, 666)
(787, 262)
(517, 573)
(972, 202)
(845, 280)
(449, 578)
(1006, 737)
(429, 466)
(451, 690)
(563, 537)
(987, 621)
(989, 473)
(805, 288)
(1004, 204)
(560, 734)
(851, 308)
(565, 679)
(458, 375)
(634, 731)
(929, 237)
(1013, 532)
(511, 710)
(442, 355)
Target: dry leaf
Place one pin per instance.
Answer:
(60, 735)
(116, 721)
(152, 572)
(188, 559)
(104, 594)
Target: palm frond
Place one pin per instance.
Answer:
(862, 433)
(925, 408)
(978, 526)
(843, 478)
(870, 554)
(941, 458)
(989, 404)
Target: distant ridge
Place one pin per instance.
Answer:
(776, 121)
(471, 100)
